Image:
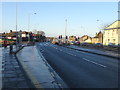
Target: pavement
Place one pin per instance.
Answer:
(51, 66)
(81, 69)
(37, 69)
(95, 51)
(13, 75)
(0, 68)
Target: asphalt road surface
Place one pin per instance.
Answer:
(80, 69)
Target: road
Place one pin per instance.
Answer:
(80, 69)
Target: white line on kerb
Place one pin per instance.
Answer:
(94, 62)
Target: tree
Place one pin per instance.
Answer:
(41, 33)
(41, 36)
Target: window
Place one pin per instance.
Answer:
(117, 31)
(114, 40)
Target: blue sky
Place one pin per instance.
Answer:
(82, 17)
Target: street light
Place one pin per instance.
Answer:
(119, 10)
(102, 25)
(65, 27)
(66, 31)
(16, 21)
(29, 26)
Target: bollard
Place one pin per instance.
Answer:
(11, 48)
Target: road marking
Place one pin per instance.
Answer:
(94, 62)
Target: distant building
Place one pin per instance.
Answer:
(98, 38)
(1, 41)
(49, 38)
(72, 38)
(112, 33)
(86, 39)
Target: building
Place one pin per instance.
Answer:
(112, 33)
(72, 38)
(49, 38)
(1, 41)
(98, 38)
(86, 39)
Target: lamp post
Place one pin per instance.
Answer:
(65, 30)
(65, 27)
(16, 22)
(119, 10)
(102, 25)
(29, 27)
(20, 39)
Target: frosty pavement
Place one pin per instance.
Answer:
(12, 74)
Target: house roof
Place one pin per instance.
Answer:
(99, 34)
(85, 37)
(114, 25)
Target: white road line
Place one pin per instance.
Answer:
(94, 62)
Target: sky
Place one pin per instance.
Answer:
(83, 18)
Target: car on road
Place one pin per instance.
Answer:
(55, 41)
(77, 43)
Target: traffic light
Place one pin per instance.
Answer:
(66, 37)
(76, 38)
(61, 36)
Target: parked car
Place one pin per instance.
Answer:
(117, 45)
(111, 44)
(72, 42)
(84, 44)
(99, 44)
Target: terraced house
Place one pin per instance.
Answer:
(112, 33)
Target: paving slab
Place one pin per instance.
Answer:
(0, 68)
(12, 74)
